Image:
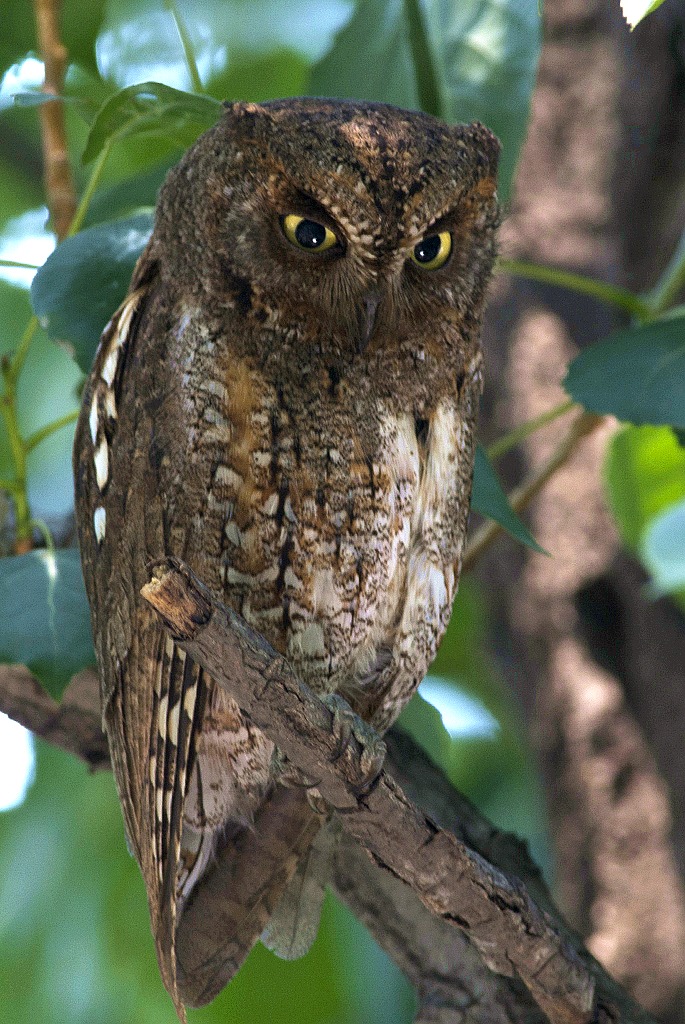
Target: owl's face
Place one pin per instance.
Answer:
(347, 226)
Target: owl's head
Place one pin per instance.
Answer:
(341, 225)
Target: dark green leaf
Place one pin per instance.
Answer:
(80, 25)
(489, 499)
(129, 195)
(637, 375)
(371, 58)
(151, 107)
(81, 284)
(45, 621)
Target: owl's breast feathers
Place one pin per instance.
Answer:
(325, 515)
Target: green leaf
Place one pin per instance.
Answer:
(644, 474)
(151, 107)
(371, 58)
(637, 374)
(635, 10)
(475, 60)
(45, 622)
(130, 194)
(81, 284)
(247, 51)
(489, 499)
(663, 550)
(486, 56)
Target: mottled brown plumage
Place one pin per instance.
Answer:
(297, 425)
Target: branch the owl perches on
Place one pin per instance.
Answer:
(512, 934)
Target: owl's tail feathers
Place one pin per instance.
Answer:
(164, 931)
(231, 906)
(294, 924)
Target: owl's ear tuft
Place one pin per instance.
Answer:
(243, 113)
(487, 146)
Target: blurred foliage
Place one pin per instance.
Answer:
(645, 480)
(74, 934)
(47, 621)
(75, 937)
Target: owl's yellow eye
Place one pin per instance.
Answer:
(307, 234)
(433, 251)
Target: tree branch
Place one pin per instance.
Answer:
(479, 878)
(496, 911)
(519, 498)
(449, 976)
(59, 182)
(73, 724)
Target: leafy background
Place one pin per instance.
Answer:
(74, 934)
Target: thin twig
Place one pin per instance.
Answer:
(16, 264)
(611, 294)
(504, 444)
(34, 439)
(59, 181)
(524, 494)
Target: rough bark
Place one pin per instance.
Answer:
(600, 191)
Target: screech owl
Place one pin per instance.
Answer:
(286, 400)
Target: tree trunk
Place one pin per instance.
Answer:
(599, 668)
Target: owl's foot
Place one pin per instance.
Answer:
(346, 725)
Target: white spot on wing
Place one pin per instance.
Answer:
(189, 701)
(228, 477)
(174, 715)
(270, 505)
(110, 404)
(109, 367)
(101, 460)
(233, 533)
(99, 523)
(161, 716)
(93, 418)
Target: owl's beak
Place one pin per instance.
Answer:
(368, 318)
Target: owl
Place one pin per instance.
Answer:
(286, 400)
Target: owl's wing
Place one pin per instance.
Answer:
(294, 924)
(153, 695)
(234, 901)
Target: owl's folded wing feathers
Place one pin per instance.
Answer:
(153, 695)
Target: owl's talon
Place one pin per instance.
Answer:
(345, 725)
